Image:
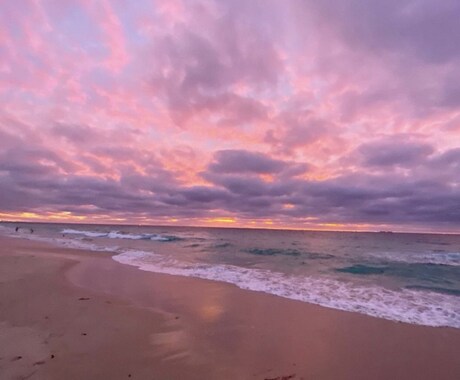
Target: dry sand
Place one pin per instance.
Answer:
(71, 314)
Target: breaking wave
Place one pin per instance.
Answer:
(120, 235)
(406, 305)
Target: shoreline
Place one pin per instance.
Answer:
(52, 329)
(408, 305)
(199, 327)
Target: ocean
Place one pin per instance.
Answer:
(412, 278)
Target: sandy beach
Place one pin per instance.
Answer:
(73, 314)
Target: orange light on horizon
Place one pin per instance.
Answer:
(30, 215)
(331, 224)
(221, 220)
(305, 224)
(62, 216)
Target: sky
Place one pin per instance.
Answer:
(331, 114)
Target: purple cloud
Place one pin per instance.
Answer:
(329, 111)
(242, 161)
(397, 150)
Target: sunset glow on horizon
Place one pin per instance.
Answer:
(325, 115)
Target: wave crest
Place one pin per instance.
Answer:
(120, 235)
(406, 305)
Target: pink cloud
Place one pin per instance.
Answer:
(109, 96)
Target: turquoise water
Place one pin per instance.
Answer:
(412, 278)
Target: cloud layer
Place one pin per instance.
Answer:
(302, 114)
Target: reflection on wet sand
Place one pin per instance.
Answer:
(243, 334)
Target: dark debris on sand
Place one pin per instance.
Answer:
(287, 377)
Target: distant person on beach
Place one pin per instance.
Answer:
(17, 229)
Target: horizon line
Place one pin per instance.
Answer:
(235, 227)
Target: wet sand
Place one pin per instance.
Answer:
(71, 314)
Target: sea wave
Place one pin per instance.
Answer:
(405, 305)
(430, 305)
(120, 235)
(441, 258)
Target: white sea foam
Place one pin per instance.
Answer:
(79, 244)
(84, 233)
(5, 229)
(71, 243)
(410, 306)
(76, 243)
(116, 235)
(407, 305)
(443, 258)
(446, 258)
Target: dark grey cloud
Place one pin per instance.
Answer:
(240, 185)
(359, 198)
(203, 194)
(317, 77)
(295, 127)
(427, 29)
(25, 158)
(395, 150)
(76, 133)
(243, 161)
(400, 55)
(449, 158)
(201, 68)
(35, 178)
